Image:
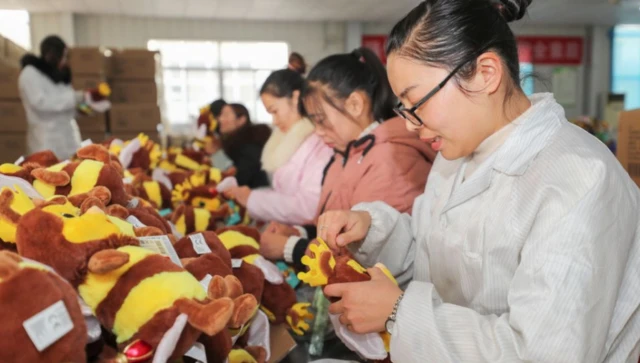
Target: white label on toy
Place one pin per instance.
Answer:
(205, 282)
(197, 352)
(133, 203)
(236, 262)
(199, 244)
(86, 142)
(135, 222)
(20, 160)
(127, 180)
(48, 326)
(161, 245)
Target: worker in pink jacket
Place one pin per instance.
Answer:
(349, 99)
(294, 157)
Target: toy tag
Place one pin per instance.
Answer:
(199, 244)
(236, 262)
(161, 245)
(48, 326)
(197, 352)
(127, 180)
(133, 203)
(135, 222)
(20, 160)
(86, 142)
(205, 282)
(165, 212)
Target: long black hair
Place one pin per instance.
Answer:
(447, 33)
(336, 77)
(282, 83)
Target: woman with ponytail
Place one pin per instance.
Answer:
(525, 244)
(349, 100)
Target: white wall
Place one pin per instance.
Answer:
(44, 24)
(314, 40)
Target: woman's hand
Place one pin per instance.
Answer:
(239, 194)
(282, 229)
(272, 246)
(364, 307)
(340, 228)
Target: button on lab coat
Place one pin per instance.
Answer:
(50, 109)
(535, 257)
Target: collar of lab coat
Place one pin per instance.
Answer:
(535, 128)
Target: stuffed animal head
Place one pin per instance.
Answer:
(188, 219)
(78, 179)
(45, 159)
(152, 191)
(142, 297)
(57, 234)
(200, 196)
(28, 290)
(14, 203)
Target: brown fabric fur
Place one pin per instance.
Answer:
(118, 211)
(150, 217)
(39, 237)
(184, 247)
(278, 299)
(26, 292)
(45, 159)
(57, 178)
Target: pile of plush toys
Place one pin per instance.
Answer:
(131, 253)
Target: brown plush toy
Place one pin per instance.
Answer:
(152, 191)
(278, 297)
(44, 159)
(188, 219)
(96, 171)
(32, 298)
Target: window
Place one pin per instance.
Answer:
(198, 72)
(14, 25)
(626, 64)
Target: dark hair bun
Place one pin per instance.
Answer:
(512, 10)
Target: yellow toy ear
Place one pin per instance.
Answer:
(14, 203)
(320, 265)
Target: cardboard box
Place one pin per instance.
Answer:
(12, 117)
(94, 123)
(628, 148)
(9, 83)
(12, 146)
(95, 137)
(13, 52)
(281, 343)
(86, 81)
(134, 64)
(134, 117)
(87, 60)
(133, 91)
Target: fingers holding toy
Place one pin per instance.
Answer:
(339, 228)
(365, 306)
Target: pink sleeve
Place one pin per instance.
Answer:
(297, 208)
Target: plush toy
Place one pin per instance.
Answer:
(45, 159)
(188, 219)
(325, 268)
(14, 203)
(19, 171)
(152, 191)
(77, 179)
(278, 298)
(140, 153)
(196, 194)
(143, 297)
(42, 319)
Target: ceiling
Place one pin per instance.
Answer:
(542, 11)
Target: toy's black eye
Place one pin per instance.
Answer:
(202, 204)
(67, 215)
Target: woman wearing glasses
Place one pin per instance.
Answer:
(524, 245)
(350, 101)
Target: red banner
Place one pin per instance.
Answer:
(377, 44)
(551, 50)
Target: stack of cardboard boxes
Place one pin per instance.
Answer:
(13, 121)
(136, 82)
(88, 68)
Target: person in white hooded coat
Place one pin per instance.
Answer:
(49, 100)
(525, 245)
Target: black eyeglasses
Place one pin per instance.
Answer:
(410, 115)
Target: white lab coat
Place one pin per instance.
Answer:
(534, 258)
(50, 110)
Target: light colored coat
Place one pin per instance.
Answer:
(50, 110)
(535, 257)
(295, 161)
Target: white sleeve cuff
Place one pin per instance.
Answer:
(289, 247)
(303, 232)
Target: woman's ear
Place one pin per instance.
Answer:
(295, 98)
(355, 104)
(489, 74)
